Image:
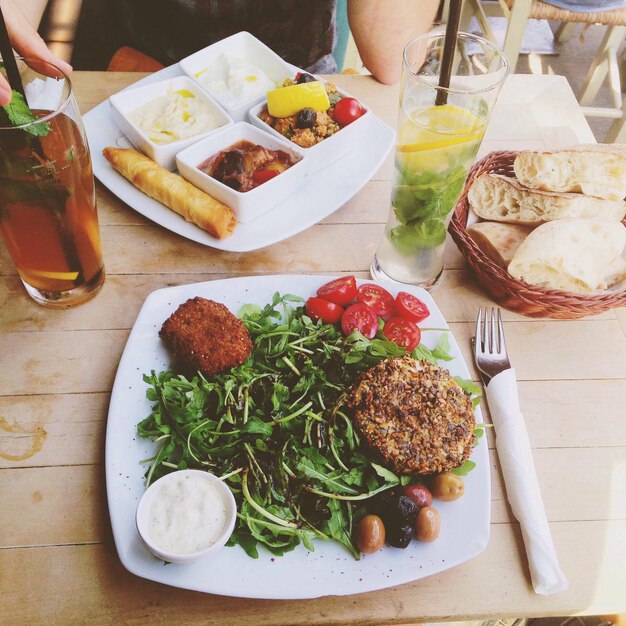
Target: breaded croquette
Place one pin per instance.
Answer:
(206, 336)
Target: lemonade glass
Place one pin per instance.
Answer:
(435, 147)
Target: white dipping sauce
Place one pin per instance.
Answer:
(187, 515)
(233, 79)
(174, 115)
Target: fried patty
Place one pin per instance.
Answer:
(206, 336)
(414, 415)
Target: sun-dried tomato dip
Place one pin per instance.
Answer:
(245, 165)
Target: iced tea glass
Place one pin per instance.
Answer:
(435, 147)
(48, 217)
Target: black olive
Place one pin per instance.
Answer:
(305, 78)
(407, 510)
(394, 509)
(398, 535)
(306, 118)
(384, 503)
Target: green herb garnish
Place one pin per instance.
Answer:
(19, 114)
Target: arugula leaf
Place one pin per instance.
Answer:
(465, 468)
(18, 113)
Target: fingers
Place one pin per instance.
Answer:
(27, 42)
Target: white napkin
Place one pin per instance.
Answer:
(521, 483)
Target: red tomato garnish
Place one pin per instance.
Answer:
(361, 317)
(325, 310)
(262, 176)
(347, 110)
(377, 298)
(410, 307)
(341, 291)
(403, 332)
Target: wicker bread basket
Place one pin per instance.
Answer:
(511, 293)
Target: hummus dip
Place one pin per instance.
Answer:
(174, 115)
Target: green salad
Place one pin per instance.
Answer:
(276, 428)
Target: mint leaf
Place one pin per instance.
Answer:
(18, 113)
(411, 239)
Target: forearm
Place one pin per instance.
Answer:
(381, 29)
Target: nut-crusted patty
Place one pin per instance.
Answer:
(206, 336)
(414, 415)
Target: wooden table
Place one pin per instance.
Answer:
(57, 560)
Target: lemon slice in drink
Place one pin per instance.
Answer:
(286, 101)
(439, 127)
(53, 275)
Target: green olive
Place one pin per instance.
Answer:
(370, 534)
(447, 487)
(427, 524)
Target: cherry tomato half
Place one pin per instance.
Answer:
(325, 310)
(347, 110)
(361, 317)
(341, 291)
(403, 332)
(410, 307)
(377, 298)
(262, 176)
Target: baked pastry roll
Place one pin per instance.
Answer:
(173, 191)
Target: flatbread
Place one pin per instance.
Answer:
(504, 199)
(498, 242)
(594, 169)
(580, 256)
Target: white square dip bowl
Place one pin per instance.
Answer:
(167, 103)
(247, 205)
(237, 72)
(328, 150)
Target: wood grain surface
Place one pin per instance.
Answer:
(58, 563)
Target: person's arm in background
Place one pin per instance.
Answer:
(381, 29)
(26, 41)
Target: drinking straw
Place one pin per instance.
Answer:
(449, 45)
(8, 57)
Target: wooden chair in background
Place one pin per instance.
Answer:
(604, 66)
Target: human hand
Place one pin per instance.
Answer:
(27, 42)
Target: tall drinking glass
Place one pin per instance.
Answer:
(436, 145)
(48, 217)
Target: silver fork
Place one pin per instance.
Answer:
(515, 453)
(489, 346)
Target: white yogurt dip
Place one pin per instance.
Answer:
(232, 79)
(174, 115)
(187, 515)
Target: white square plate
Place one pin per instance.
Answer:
(317, 198)
(330, 569)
